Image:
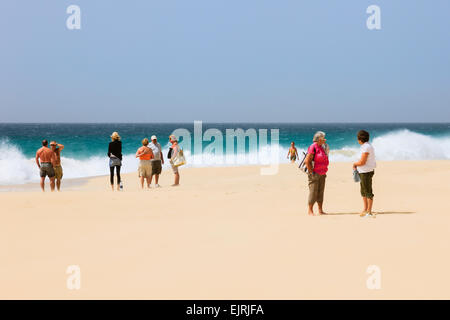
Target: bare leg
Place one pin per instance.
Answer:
(363, 213)
(156, 178)
(177, 179)
(151, 178)
(369, 206)
(52, 184)
(43, 183)
(319, 204)
(310, 209)
(112, 187)
(149, 182)
(142, 182)
(58, 184)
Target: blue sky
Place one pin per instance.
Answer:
(227, 60)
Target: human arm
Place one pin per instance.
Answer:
(308, 162)
(37, 160)
(60, 147)
(361, 161)
(161, 153)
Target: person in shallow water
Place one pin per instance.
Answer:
(44, 158)
(115, 159)
(317, 153)
(292, 153)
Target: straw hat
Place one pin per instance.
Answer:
(115, 136)
(173, 137)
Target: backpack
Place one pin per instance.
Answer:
(303, 166)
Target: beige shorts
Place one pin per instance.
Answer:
(145, 169)
(58, 172)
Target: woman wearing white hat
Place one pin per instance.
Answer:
(115, 159)
(174, 149)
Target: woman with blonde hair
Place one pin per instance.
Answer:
(115, 159)
(145, 155)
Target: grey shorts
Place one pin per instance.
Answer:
(156, 167)
(47, 170)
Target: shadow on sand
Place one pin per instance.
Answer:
(377, 212)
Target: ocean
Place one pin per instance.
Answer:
(86, 145)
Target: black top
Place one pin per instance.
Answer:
(115, 147)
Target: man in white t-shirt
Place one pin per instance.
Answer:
(366, 169)
(157, 161)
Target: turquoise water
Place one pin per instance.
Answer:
(86, 144)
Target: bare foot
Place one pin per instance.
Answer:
(362, 214)
(321, 212)
(310, 213)
(175, 185)
(373, 214)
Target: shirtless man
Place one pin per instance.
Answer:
(46, 156)
(57, 148)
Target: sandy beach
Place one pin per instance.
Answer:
(231, 233)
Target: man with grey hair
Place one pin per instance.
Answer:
(317, 163)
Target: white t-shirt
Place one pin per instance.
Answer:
(156, 150)
(370, 163)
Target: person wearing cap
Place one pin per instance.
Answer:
(115, 159)
(145, 154)
(56, 162)
(157, 161)
(174, 149)
(44, 159)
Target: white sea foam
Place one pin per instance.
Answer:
(15, 168)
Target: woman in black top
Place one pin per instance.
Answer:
(115, 158)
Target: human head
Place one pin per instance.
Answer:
(115, 136)
(363, 136)
(153, 138)
(319, 137)
(145, 142)
(44, 143)
(292, 143)
(173, 138)
(53, 144)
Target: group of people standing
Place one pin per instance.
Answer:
(150, 157)
(48, 161)
(317, 162)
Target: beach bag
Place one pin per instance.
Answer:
(303, 166)
(114, 161)
(179, 159)
(356, 176)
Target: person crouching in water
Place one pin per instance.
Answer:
(366, 169)
(145, 155)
